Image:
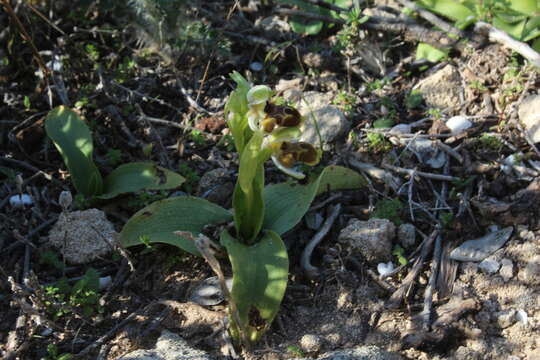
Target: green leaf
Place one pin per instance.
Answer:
(158, 221)
(450, 8)
(515, 30)
(301, 26)
(526, 7)
(287, 203)
(73, 140)
(137, 176)
(260, 276)
(430, 53)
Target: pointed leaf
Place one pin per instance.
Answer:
(137, 176)
(157, 222)
(260, 276)
(287, 203)
(73, 140)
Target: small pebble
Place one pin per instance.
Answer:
(489, 266)
(522, 317)
(256, 66)
(385, 269)
(19, 201)
(507, 269)
(311, 343)
(506, 318)
(458, 124)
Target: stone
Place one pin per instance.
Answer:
(530, 116)
(489, 266)
(530, 273)
(441, 89)
(428, 153)
(320, 117)
(507, 269)
(369, 352)
(216, 186)
(310, 343)
(458, 124)
(522, 317)
(83, 236)
(373, 238)
(406, 235)
(506, 318)
(385, 269)
(169, 346)
(479, 249)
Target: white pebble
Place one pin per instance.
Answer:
(522, 317)
(458, 124)
(385, 269)
(20, 200)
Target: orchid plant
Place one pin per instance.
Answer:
(262, 130)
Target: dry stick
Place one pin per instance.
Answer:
(132, 141)
(311, 271)
(379, 174)
(503, 38)
(411, 172)
(28, 39)
(432, 18)
(428, 294)
(325, 202)
(448, 149)
(143, 116)
(397, 297)
(327, 5)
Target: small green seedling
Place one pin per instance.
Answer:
(53, 353)
(261, 130)
(389, 209)
(399, 253)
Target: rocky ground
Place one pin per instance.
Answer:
(437, 257)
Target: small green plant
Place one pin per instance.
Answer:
(261, 131)
(477, 85)
(414, 100)
(113, 157)
(490, 142)
(378, 143)
(92, 52)
(345, 100)
(399, 253)
(313, 27)
(377, 84)
(26, 102)
(197, 137)
(295, 351)
(446, 218)
(388, 209)
(83, 295)
(49, 257)
(191, 176)
(434, 113)
(53, 353)
(73, 139)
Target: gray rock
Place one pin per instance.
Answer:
(83, 236)
(310, 343)
(370, 352)
(428, 153)
(506, 318)
(216, 186)
(208, 292)
(530, 273)
(320, 115)
(441, 89)
(373, 238)
(507, 269)
(168, 347)
(489, 266)
(530, 116)
(479, 249)
(406, 235)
